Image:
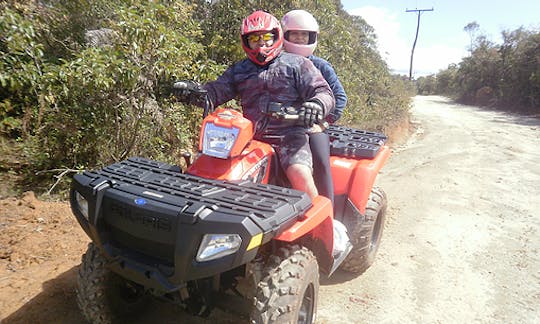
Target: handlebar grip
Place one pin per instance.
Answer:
(290, 117)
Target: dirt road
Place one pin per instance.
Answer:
(461, 243)
(462, 239)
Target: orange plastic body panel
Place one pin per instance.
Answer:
(246, 158)
(318, 223)
(355, 178)
(236, 168)
(317, 214)
(229, 118)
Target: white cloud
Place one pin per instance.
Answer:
(437, 57)
(396, 51)
(387, 30)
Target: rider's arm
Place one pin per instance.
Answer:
(313, 87)
(222, 89)
(337, 88)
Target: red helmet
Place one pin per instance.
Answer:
(257, 22)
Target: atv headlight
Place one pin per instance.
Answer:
(82, 204)
(215, 246)
(218, 141)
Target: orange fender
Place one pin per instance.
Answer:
(355, 178)
(317, 224)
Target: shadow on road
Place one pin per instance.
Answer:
(338, 277)
(502, 117)
(517, 119)
(55, 304)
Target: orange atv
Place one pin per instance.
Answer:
(226, 232)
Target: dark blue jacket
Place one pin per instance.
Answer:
(331, 77)
(289, 79)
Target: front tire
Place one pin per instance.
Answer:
(102, 295)
(365, 233)
(289, 289)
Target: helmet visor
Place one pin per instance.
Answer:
(253, 38)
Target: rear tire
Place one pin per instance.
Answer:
(289, 289)
(102, 295)
(365, 234)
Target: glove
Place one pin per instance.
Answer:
(190, 92)
(310, 112)
(183, 88)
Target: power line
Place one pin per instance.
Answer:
(419, 12)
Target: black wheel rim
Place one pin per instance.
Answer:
(305, 314)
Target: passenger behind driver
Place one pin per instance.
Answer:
(301, 30)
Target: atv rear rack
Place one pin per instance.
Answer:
(350, 142)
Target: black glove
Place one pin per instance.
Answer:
(310, 113)
(190, 92)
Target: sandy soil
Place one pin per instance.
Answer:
(462, 238)
(461, 242)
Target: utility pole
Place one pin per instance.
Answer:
(419, 12)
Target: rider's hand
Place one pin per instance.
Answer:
(190, 92)
(310, 113)
(183, 88)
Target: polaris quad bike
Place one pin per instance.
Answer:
(224, 233)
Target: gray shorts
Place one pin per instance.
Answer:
(294, 149)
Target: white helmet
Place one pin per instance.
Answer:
(300, 20)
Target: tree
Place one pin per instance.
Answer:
(499, 75)
(471, 28)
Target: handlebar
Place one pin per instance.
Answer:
(192, 92)
(294, 118)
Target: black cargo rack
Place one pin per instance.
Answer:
(355, 143)
(270, 207)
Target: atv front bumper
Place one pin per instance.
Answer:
(149, 219)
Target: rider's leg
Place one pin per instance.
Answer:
(322, 174)
(295, 158)
(301, 179)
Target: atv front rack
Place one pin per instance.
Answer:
(350, 142)
(267, 205)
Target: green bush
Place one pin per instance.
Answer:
(505, 76)
(101, 104)
(76, 104)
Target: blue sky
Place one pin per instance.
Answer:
(441, 39)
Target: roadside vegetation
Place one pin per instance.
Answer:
(502, 76)
(86, 83)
